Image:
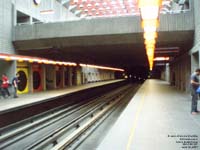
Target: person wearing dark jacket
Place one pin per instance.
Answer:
(194, 86)
(15, 82)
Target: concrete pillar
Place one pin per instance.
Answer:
(194, 61)
(78, 75)
(75, 74)
(14, 12)
(167, 73)
(44, 77)
(188, 73)
(181, 69)
(62, 77)
(54, 77)
(30, 72)
(31, 20)
(197, 21)
(50, 77)
(70, 76)
(179, 75)
(65, 76)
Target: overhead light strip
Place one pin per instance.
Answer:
(149, 10)
(21, 58)
(101, 67)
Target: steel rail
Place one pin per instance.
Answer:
(53, 137)
(45, 121)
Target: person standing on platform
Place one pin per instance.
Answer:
(15, 82)
(194, 85)
(4, 86)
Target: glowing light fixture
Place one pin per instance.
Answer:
(101, 67)
(150, 35)
(150, 46)
(150, 23)
(20, 58)
(150, 42)
(149, 10)
(7, 59)
(143, 3)
(161, 59)
(46, 12)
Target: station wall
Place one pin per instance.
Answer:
(178, 73)
(165, 74)
(60, 13)
(184, 66)
(35, 77)
(94, 75)
(8, 15)
(7, 67)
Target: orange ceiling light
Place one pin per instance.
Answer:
(147, 3)
(150, 25)
(102, 67)
(30, 59)
(150, 35)
(150, 46)
(161, 59)
(149, 10)
(7, 59)
(145, 12)
(150, 51)
(150, 42)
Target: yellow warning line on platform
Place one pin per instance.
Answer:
(139, 109)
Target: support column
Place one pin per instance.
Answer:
(69, 76)
(50, 77)
(62, 77)
(194, 61)
(78, 75)
(44, 77)
(30, 72)
(74, 76)
(31, 20)
(54, 77)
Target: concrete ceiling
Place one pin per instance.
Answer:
(125, 50)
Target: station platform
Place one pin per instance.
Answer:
(157, 118)
(31, 98)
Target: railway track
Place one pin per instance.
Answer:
(61, 127)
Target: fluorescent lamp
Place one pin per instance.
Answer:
(150, 29)
(149, 12)
(143, 3)
(50, 11)
(147, 42)
(150, 23)
(161, 59)
(150, 35)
